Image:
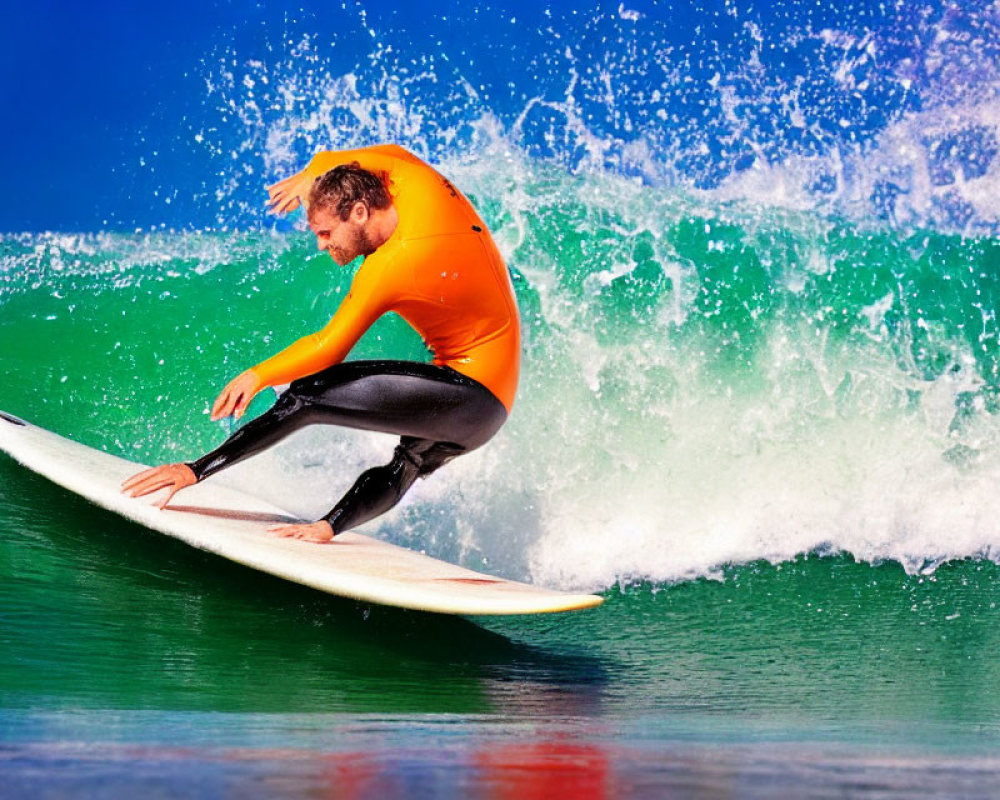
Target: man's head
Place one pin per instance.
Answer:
(341, 203)
(342, 187)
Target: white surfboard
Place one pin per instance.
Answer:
(235, 525)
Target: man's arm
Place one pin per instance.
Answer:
(364, 304)
(308, 355)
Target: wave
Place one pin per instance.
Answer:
(757, 269)
(703, 383)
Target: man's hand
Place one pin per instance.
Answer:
(286, 195)
(172, 477)
(319, 532)
(235, 398)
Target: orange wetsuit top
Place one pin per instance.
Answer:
(440, 271)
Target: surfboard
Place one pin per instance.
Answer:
(234, 525)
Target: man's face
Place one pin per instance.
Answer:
(343, 239)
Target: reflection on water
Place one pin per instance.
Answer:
(371, 756)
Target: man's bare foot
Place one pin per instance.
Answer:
(320, 532)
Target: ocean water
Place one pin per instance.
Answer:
(757, 261)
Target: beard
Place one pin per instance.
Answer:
(363, 243)
(359, 244)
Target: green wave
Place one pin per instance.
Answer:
(712, 382)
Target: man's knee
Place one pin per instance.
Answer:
(293, 410)
(425, 455)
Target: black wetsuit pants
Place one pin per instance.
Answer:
(438, 412)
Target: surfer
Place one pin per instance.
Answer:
(427, 257)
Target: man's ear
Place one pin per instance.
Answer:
(359, 213)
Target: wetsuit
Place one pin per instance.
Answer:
(441, 271)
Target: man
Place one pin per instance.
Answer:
(430, 259)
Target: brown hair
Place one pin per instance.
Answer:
(340, 188)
